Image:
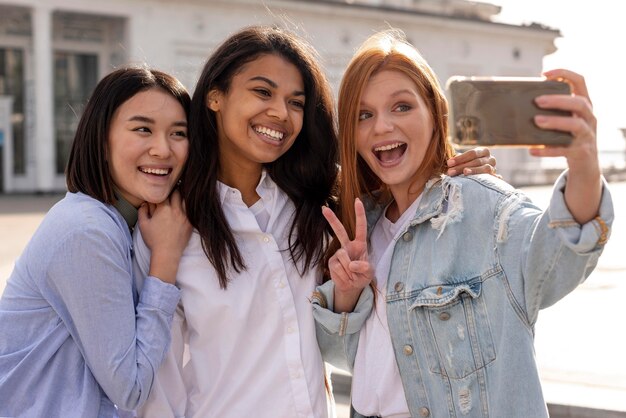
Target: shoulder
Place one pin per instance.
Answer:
(78, 215)
(483, 181)
(481, 185)
(479, 191)
(72, 232)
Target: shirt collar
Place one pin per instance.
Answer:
(265, 188)
(128, 211)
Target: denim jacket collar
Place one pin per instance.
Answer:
(434, 202)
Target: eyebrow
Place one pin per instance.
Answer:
(145, 119)
(274, 85)
(399, 92)
(396, 93)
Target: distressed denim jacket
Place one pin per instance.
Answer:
(467, 280)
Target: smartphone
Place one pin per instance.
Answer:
(499, 111)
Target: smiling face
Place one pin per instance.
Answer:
(261, 114)
(147, 146)
(394, 130)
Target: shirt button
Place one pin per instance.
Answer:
(444, 316)
(266, 239)
(424, 412)
(289, 330)
(399, 286)
(407, 236)
(408, 350)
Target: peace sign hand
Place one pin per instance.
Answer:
(349, 267)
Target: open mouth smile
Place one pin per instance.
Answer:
(269, 133)
(390, 153)
(156, 171)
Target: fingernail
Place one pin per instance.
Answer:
(468, 171)
(451, 162)
(452, 172)
(540, 100)
(540, 120)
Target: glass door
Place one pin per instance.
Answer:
(12, 84)
(75, 76)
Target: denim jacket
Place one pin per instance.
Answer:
(467, 280)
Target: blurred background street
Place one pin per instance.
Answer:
(580, 341)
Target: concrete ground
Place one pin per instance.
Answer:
(580, 341)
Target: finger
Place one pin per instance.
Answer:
(360, 267)
(143, 213)
(344, 259)
(577, 126)
(482, 169)
(361, 222)
(336, 226)
(575, 80)
(468, 156)
(548, 151)
(338, 273)
(578, 105)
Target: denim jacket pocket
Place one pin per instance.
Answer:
(452, 322)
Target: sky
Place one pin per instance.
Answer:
(593, 34)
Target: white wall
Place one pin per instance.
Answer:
(177, 37)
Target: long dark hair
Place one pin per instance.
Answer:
(87, 170)
(307, 172)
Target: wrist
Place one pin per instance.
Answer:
(345, 300)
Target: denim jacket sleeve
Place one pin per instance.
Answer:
(90, 281)
(557, 253)
(338, 333)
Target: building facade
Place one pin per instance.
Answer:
(53, 52)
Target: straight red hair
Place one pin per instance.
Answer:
(386, 50)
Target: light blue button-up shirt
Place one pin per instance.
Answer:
(75, 338)
(467, 280)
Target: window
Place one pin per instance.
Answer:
(12, 84)
(75, 76)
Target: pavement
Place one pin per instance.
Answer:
(580, 341)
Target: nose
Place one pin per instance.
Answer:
(278, 109)
(160, 146)
(382, 124)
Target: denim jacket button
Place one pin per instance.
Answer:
(408, 350)
(424, 412)
(444, 316)
(407, 236)
(399, 286)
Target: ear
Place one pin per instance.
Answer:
(213, 100)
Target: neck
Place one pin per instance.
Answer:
(244, 179)
(403, 198)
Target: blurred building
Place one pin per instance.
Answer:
(53, 52)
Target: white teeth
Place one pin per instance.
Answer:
(157, 171)
(269, 132)
(388, 147)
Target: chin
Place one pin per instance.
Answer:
(156, 199)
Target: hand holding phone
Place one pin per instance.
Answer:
(499, 111)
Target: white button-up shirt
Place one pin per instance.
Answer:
(249, 350)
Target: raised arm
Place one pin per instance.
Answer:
(349, 267)
(583, 189)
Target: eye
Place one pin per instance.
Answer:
(363, 115)
(402, 108)
(262, 92)
(182, 134)
(298, 103)
(142, 129)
